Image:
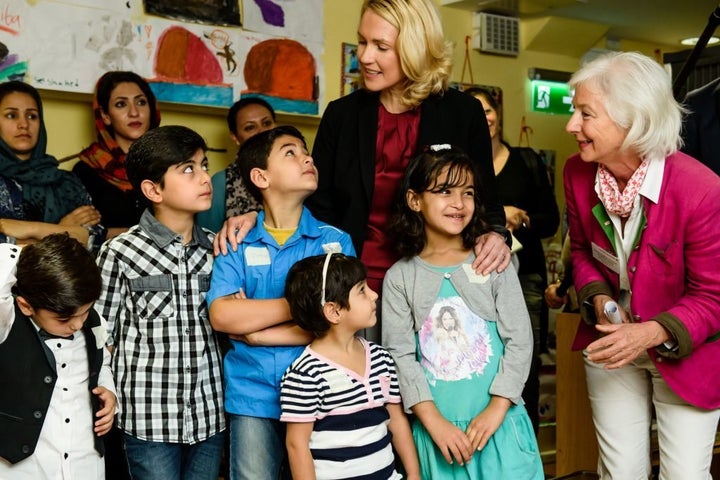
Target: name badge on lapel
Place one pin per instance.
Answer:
(606, 258)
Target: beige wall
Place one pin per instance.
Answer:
(69, 117)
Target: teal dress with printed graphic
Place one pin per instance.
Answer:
(460, 353)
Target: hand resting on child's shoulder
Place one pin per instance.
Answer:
(240, 225)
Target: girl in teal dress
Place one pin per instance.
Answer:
(462, 341)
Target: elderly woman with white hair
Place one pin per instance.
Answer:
(644, 235)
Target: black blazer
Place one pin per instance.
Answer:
(344, 153)
(701, 130)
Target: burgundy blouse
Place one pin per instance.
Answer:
(395, 146)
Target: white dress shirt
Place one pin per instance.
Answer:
(65, 449)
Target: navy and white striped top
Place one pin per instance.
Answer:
(350, 438)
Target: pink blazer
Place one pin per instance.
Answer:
(674, 268)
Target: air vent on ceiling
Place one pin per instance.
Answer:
(496, 34)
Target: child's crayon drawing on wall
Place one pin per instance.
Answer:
(11, 68)
(283, 72)
(67, 44)
(216, 12)
(187, 71)
(300, 20)
(272, 13)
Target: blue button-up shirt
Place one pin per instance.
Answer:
(259, 267)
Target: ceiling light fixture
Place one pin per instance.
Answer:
(690, 41)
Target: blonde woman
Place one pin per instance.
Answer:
(366, 139)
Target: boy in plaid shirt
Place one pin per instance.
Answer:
(155, 276)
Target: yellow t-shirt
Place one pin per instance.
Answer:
(280, 235)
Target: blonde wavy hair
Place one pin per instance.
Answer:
(425, 56)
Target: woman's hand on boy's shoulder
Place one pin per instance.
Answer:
(233, 232)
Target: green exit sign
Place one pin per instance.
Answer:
(551, 97)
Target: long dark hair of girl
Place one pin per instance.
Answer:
(407, 227)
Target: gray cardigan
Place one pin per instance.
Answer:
(410, 290)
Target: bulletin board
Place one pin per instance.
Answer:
(203, 52)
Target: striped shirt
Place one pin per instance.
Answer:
(166, 358)
(350, 438)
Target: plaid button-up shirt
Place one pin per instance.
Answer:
(166, 359)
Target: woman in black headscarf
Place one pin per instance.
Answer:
(36, 197)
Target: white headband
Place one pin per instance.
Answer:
(324, 277)
(439, 147)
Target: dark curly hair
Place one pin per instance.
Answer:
(407, 227)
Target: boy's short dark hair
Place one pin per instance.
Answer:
(58, 274)
(242, 103)
(304, 284)
(255, 151)
(158, 149)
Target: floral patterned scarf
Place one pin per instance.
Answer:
(614, 201)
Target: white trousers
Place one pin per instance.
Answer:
(621, 402)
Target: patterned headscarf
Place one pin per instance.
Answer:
(105, 156)
(47, 190)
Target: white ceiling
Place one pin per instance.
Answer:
(663, 22)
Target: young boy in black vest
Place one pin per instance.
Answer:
(57, 396)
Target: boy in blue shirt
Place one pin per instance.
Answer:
(165, 354)
(247, 301)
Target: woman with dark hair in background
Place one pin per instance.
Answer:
(247, 117)
(36, 197)
(125, 108)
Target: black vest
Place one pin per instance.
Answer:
(27, 379)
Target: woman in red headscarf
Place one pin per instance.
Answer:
(125, 108)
